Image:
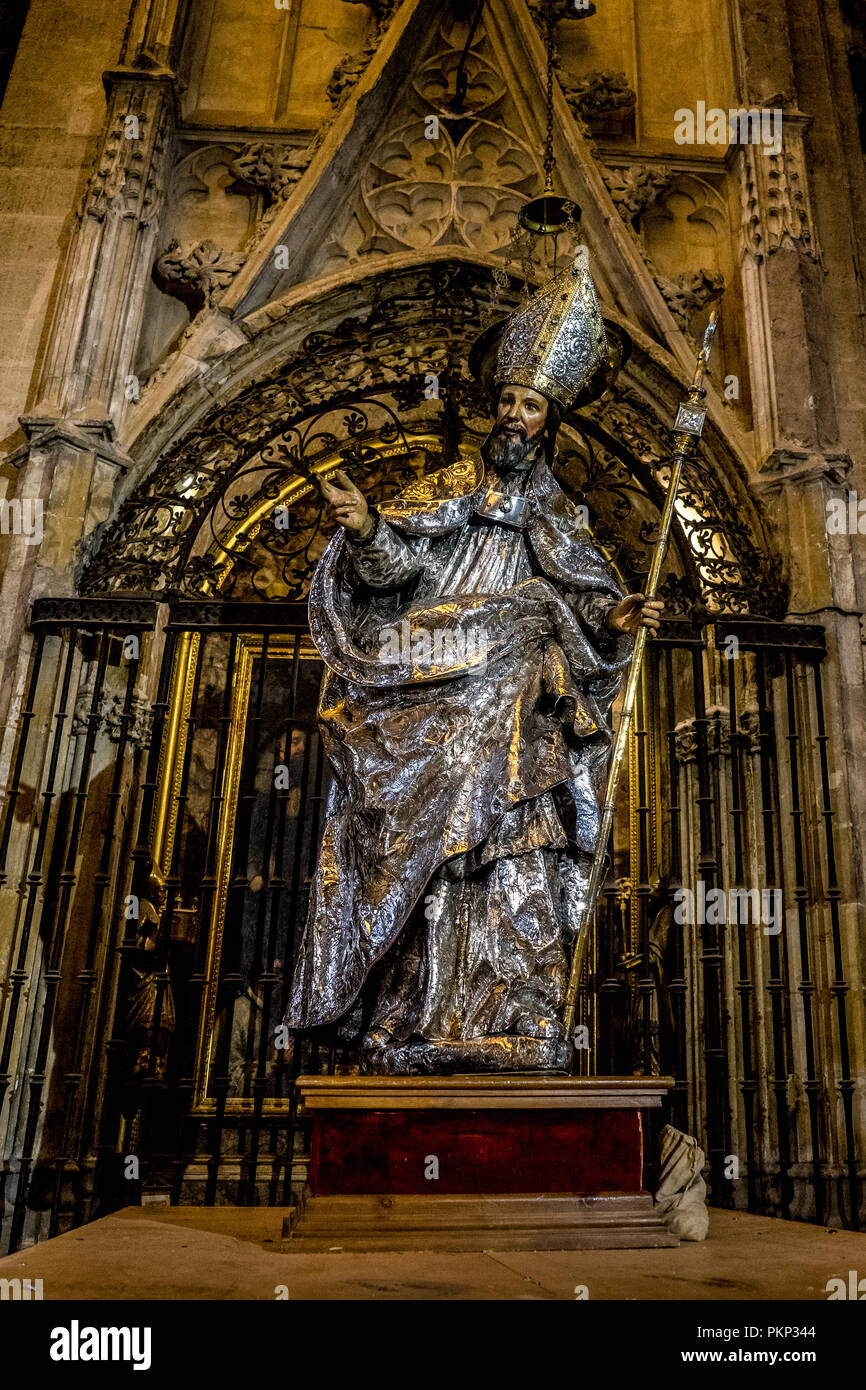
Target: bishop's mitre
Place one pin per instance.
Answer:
(557, 342)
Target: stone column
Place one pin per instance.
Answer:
(94, 332)
(798, 267)
(69, 462)
(781, 266)
(70, 465)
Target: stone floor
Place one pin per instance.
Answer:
(234, 1253)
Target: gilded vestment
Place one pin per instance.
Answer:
(464, 712)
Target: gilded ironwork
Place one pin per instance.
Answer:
(234, 1019)
(238, 460)
(172, 752)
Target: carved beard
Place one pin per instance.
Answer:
(510, 450)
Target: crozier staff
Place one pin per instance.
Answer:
(464, 810)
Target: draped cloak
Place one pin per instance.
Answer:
(450, 715)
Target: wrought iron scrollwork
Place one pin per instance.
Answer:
(366, 392)
(281, 549)
(418, 373)
(719, 533)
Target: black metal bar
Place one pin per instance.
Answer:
(609, 990)
(265, 979)
(152, 1085)
(677, 984)
(840, 987)
(95, 1096)
(806, 986)
(24, 721)
(198, 981)
(644, 984)
(229, 979)
(35, 881)
(88, 976)
(280, 860)
(806, 640)
(744, 986)
(777, 981)
(94, 614)
(236, 615)
(712, 958)
(120, 1090)
(53, 925)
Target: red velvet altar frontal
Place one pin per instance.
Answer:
(485, 1151)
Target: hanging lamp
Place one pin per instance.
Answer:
(549, 214)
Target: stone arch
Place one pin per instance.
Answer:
(395, 343)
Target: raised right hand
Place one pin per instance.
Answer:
(348, 505)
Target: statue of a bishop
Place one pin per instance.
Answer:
(474, 640)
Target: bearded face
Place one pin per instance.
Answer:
(516, 438)
(509, 448)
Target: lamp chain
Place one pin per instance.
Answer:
(548, 142)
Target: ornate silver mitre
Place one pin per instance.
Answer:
(557, 342)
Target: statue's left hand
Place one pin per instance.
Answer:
(634, 612)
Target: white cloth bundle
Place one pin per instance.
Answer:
(681, 1196)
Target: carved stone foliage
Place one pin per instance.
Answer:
(603, 100)
(389, 403)
(687, 293)
(109, 717)
(775, 200)
(347, 73)
(128, 180)
(225, 195)
(262, 173)
(272, 168)
(715, 736)
(196, 273)
(636, 187)
(349, 70)
(211, 215)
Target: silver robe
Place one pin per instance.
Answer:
(466, 768)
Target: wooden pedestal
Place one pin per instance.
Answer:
(510, 1162)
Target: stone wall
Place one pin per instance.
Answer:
(187, 189)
